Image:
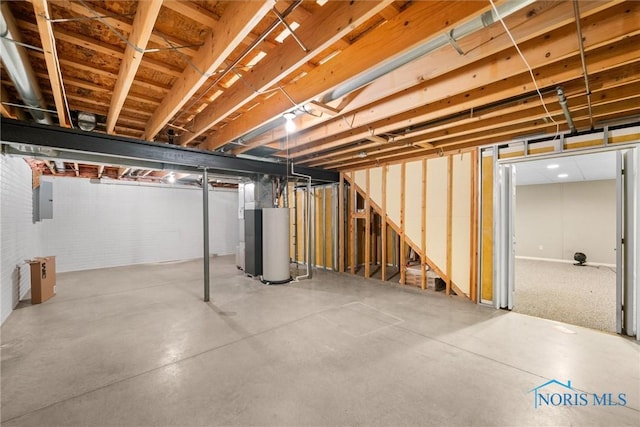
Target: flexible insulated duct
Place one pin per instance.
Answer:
(16, 63)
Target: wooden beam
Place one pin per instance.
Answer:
(105, 49)
(100, 171)
(193, 11)
(390, 12)
(546, 17)
(619, 60)
(325, 108)
(123, 24)
(89, 70)
(76, 168)
(45, 29)
(417, 23)
(473, 71)
(122, 171)
(455, 147)
(332, 22)
(71, 82)
(6, 110)
(207, 18)
(238, 20)
(49, 165)
(143, 24)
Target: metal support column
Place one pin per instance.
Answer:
(205, 230)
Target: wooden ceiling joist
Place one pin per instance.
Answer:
(282, 61)
(397, 35)
(143, 23)
(238, 21)
(500, 51)
(565, 51)
(75, 39)
(43, 19)
(6, 110)
(468, 101)
(237, 71)
(122, 24)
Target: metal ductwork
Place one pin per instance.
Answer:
(59, 164)
(562, 99)
(469, 27)
(16, 62)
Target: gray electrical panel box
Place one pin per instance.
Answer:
(43, 201)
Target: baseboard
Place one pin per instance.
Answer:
(565, 261)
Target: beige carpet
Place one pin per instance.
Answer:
(583, 296)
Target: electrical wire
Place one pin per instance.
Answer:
(28, 46)
(526, 63)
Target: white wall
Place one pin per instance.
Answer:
(555, 221)
(105, 225)
(17, 232)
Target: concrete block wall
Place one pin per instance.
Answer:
(17, 232)
(104, 225)
(98, 225)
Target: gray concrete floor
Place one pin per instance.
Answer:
(136, 346)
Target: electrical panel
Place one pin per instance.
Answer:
(43, 201)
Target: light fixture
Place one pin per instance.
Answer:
(362, 154)
(553, 166)
(563, 175)
(171, 178)
(289, 125)
(86, 121)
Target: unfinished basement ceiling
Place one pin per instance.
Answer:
(368, 82)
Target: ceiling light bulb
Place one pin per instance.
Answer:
(171, 179)
(554, 166)
(362, 154)
(289, 115)
(563, 175)
(290, 126)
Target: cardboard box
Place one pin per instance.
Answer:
(43, 278)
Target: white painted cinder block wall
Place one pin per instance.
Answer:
(17, 231)
(105, 225)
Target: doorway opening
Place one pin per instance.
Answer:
(565, 239)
